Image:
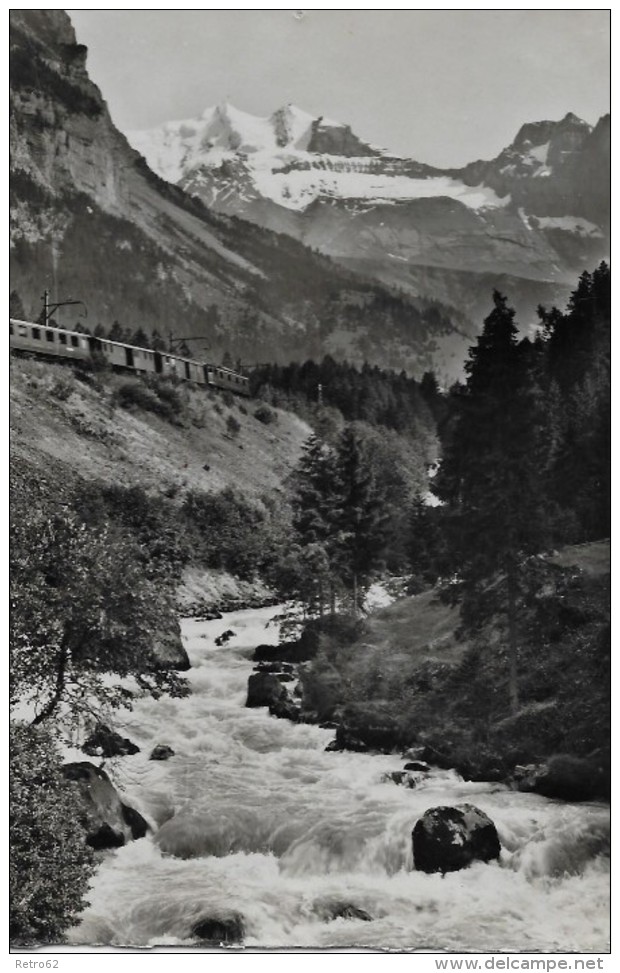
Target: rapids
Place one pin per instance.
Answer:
(252, 816)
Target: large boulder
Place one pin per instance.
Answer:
(168, 649)
(109, 823)
(286, 709)
(104, 742)
(220, 930)
(264, 689)
(446, 839)
(161, 752)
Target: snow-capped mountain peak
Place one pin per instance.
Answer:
(291, 158)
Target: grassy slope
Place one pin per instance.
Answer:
(412, 672)
(86, 434)
(63, 429)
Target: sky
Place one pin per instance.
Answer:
(442, 86)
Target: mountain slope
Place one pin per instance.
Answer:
(528, 220)
(90, 220)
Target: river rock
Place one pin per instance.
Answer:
(109, 823)
(220, 930)
(264, 689)
(328, 911)
(104, 742)
(446, 839)
(225, 637)
(286, 709)
(346, 741)
(168, 650)
(161, 752)
(400, 777)
(420, 766)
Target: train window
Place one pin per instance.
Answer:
(75, 341)
(22, 331)
(186, 369)
(36, 334)
(10, 328)
(62, 338)
(49, 335)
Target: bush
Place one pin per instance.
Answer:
(158, 396)
(63, 387)
(50, 863)
(265, 415)
(233, 426)
(228, 398)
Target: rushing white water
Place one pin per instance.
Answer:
(252, 816)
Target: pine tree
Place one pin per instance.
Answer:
(316, 499)
(157, 343)
(361, 515)
(491, 477)
(16, 306)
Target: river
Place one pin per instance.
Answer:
(252, 816)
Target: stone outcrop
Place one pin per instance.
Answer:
(104, 742)
(266, 689)
(109, 822)
(161, 752)
(446, 839)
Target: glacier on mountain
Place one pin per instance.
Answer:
(278, 164)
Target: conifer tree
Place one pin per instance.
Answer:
(490, 475)
(361, 515)
(315, 503)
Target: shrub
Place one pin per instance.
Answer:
(265, 415)
(228, 398)
(63, 387)
(160, 397)
(233, 426)
(50, 863)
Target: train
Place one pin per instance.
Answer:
(39, 339)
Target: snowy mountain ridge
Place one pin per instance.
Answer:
(285, 158)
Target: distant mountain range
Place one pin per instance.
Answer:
(537, 214)
(304, 241)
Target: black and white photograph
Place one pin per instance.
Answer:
(310, 503)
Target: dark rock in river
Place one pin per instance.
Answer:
(220, 930)
(109, 823)
(564, 777)
(446, 839)
(168, 648)
(342, 910)
(264, 689)
(104, 742)
(301, 650)
(161, 752)
(285, 709)
(225, 637)
(346, 741)
(400, 777)
(418, 765)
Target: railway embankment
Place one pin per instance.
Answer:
(131, 453)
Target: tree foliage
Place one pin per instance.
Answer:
(82, 608)
(50, 863)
